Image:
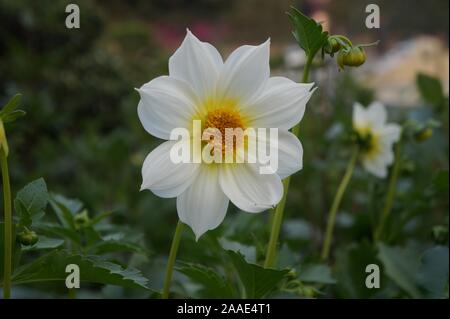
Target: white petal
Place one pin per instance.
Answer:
(376, 165)
(203, 205)
(390, 132)
(377, 115)
(163, 177)
(248, 189)
(290, 154)
(245, 72)
(197, 63)
(359, 115)
(281, 104)
(166, 103)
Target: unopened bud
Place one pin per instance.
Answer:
(423, 134)
(27, 237)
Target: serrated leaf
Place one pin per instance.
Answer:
(401, 265)
(257, 281)
(111, 246)
(10, 106)
(33, 196)
(51, 267)
(30, 202)
(308, 33)
(212, 284)
(316, 273)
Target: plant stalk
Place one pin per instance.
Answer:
(390, 194)
(277, 214)
(7, 225)
(335, 205)
(171, 261)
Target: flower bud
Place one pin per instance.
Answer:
(354, 57)
(27, 237)
(423, 134)
(332, 46)
(81, 220)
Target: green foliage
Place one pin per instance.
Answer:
(31, 201)
(9, 113)
(52, 267)
(212, 284)
(316, 273)
(431, 90)
(257, 281)
(308, 33)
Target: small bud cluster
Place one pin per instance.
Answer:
(347, 53)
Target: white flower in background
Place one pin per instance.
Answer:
(237, 93)
(377, 136)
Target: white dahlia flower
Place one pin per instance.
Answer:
(378, 137)
(237, 93)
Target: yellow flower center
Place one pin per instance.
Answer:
(369, 141)
(223, 118)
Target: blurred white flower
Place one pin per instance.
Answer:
(376, 137)
(237, 93)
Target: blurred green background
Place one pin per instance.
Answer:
(82, 134)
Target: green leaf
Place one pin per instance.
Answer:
(316, 273)
(31, 201)
(52, 229)
(45, 243)
(14, 115)
(401, 265)
(257, 281)
(431, 90)
(433, 272)
(65, 209)
(10, 106)
(307, 32)
(212, 284)
(52, 266)
(351, 262)
(111, 246)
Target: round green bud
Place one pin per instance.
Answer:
(355, 57)
(423, 134)
(27, 238)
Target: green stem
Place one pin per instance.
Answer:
(172, 257)
(335, 206)
(390, 194)
(277, 214)
(7, 225)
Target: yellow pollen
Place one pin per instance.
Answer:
(221, 119)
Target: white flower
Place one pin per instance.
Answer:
(378, 137)
(236, 93)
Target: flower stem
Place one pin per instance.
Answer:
(335, 206)
(172, 257)
(390, 194)
(7, 225)
(277, 214)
